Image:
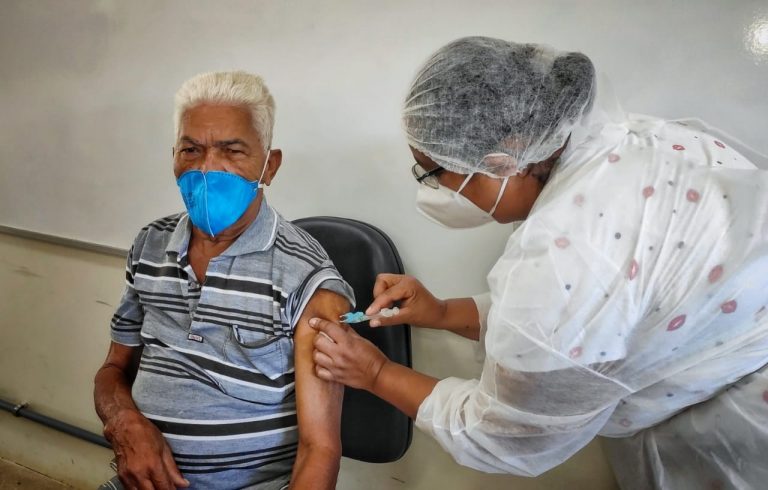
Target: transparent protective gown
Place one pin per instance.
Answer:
(632, 303)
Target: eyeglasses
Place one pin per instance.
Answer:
(428, 178)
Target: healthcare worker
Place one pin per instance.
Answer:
(629, 303)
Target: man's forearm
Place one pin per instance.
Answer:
(315, 468)
(112, 394)
(318, 402)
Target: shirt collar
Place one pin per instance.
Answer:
(259, 236)
(180, 237)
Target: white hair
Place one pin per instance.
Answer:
(235, 88)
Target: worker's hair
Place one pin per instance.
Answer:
(235, 88)
(488, 105)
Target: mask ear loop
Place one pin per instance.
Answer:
(264, 169)
(464, 184)
(498, 198)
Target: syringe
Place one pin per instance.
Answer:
(359, 316)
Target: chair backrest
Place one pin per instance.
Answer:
(372, 430)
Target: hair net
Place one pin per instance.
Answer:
(486, 105)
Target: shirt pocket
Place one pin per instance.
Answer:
(264, 364)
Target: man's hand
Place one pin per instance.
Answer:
(144, 460)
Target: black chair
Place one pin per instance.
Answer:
(372, 430)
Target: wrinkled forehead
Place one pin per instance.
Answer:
(217, 119)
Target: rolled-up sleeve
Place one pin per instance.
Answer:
(325, 276)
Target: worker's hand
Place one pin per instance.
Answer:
(417, 305)
(144, 460)
(343, 356)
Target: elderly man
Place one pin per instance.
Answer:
(209, 379)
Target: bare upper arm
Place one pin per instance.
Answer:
(126, 358)
(318, 402)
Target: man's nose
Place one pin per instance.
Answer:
(213, 161)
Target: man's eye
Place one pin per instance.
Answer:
(189, 150)
(232, 150)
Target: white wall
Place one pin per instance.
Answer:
(85, 134)
(87, 86)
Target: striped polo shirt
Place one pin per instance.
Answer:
(216, 374)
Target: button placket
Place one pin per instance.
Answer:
(192, 294)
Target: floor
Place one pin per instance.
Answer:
(15, 477)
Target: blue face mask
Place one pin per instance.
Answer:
(216, 200)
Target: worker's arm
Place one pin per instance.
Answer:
(144, 459)
(318, 402)
(343, 356)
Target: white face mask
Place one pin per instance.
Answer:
(452, 210)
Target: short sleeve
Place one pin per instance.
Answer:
(125, 327)
(325, 276)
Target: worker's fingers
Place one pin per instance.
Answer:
(333, 330)
(398, 292)
(385, 281)
(323, 374)
(325, 344)
(322, 359)
(387, 321)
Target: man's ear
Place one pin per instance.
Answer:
(273, 165)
